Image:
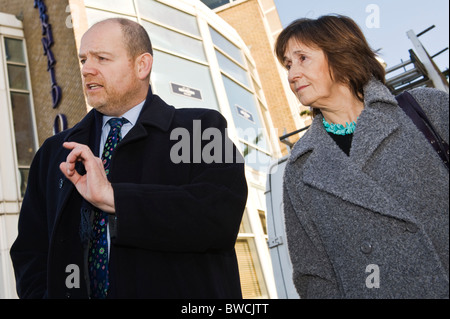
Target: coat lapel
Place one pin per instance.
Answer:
(156, 113)
(330, 170)
(376, 123)
(85, 132)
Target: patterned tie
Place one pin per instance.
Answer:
(98, 250)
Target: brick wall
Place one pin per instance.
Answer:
(67, 69)
(247, 19)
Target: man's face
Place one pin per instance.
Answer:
(109, 74)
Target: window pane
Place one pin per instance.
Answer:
(169, 16)
(14, 50)
(245, 114)
(212, 4)
(233, 69)
(123, 6)
(95, 16)
(24, 172)
(262, 217)
(254, 158)
(174, 41)
(23, 128)
(249, 279)
(171, 72)
(226, 46)
(17, 76)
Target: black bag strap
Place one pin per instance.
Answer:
(410, 106)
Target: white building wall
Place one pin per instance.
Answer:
(10, 198)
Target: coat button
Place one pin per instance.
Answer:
(366, 247)
(412, 228)
(68, 295)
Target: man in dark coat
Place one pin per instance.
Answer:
(173, 205)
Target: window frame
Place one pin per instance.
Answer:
(21, 179)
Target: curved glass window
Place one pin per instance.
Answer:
(183, 83)
(95, 16)
(226, 46)
(233, 69)
(245, 114)
(167, 15)
(122, 6)
(174, 41)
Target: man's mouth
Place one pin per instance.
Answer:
(93, 86)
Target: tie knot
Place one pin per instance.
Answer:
(117, 123)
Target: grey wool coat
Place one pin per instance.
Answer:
(374, 224)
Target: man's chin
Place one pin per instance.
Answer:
(105, 109)
(96, 105)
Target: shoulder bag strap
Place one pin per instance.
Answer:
(410, 106)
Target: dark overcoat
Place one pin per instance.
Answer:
(175, 226)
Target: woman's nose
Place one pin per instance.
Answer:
(294, 73)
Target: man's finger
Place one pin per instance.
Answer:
(79, 152)
(71, 175)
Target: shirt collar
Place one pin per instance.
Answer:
(131, 115)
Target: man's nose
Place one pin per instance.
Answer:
(88, 68)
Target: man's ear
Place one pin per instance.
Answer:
(144, 64)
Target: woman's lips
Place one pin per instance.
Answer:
(301, 87)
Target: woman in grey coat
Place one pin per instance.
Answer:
(366, 197)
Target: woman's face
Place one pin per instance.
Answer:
(309, 74)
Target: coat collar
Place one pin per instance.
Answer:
(155, 112)
(379, 107)
(327, 162)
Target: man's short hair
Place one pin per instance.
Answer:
(134, 35)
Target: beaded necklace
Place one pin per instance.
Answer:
(339, 129)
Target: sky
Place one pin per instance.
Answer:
(384, 23)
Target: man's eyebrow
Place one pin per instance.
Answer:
(96, 53)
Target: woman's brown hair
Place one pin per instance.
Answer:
(350, 58)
